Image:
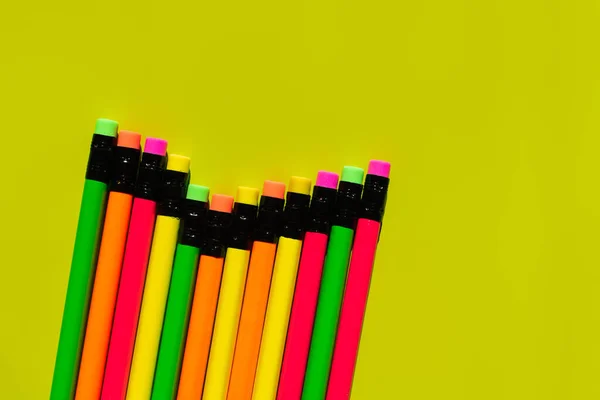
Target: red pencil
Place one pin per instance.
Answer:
(308, 282)
(358, 282)
(133, 274)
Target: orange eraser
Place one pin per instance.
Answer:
(129, 139)
(221, 202)
(274, 189)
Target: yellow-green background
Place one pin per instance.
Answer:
(487, 282)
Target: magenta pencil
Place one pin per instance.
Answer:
(358, 281)
(308, 282)
(133, 275)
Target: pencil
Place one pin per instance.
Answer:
(332, 284)
(204, 304)
(108, 271)
(282, 290)
(83, 263)
(181, 290)
(256, 293)
(231, 294)
(358, 281)
(307, 286)
(175, 181)
(133, 273)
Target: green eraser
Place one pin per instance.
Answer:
(106, 127)
(353, 174)
(197, 192)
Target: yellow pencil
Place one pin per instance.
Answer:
(231, 294)
(282, 290)
(158, 278)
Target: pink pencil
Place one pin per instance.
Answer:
(308, 282)
(133, 275)
(358, 281)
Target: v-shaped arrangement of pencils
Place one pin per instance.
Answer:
(170, 295)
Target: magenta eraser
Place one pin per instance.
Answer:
(155, 146)
(327, 179)
(379, 168)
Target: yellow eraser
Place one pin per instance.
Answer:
(299, 185)
(247, 195)
(179, 163)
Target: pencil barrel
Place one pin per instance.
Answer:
(197, 345)
(153, 308)
(83, 265)
(327, 314)
(302, 316)
(129, 299)
(252, 318)
(168, 365)
(353, 310)
(226, 324)
(276, 319)
(102, 306)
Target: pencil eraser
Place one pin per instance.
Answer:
(327, 179)
(299, 185)
(353, 174)
(155, 146)
(247, 195)
(274, 189)
(379, 168)
(197, 192)
(106, 127)
(129, 139)
(179, 163)
(221, 202)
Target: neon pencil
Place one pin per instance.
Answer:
(282, 290)
(332, 283)
(204, 304)
(83, 263)
(231, 294)
(158, 277)
(307, 286)
(358, 281)
(108, 271)
(179, 301)
(256, 294)
(133, 273)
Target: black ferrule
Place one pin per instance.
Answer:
(125, 169)
(149, 177)
(242, 226)
(294, 215)
(270, 211)
(172, 193)
(193, 221)
(217, 226)
(374, 197)
(101, 157)
(347, 204)
(321, 210)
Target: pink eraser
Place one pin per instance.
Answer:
(327, 179)
(380, 168)
(155, 146)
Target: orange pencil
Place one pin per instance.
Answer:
(254, 305)
(108, 270)
(206, 294)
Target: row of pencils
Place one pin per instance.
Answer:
(171, 295)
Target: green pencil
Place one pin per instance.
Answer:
(83, 264)
(332, 284)
(183, 280)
